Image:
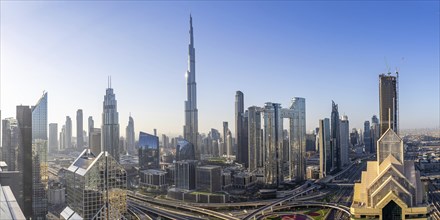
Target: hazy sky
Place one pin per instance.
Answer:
(272, 51)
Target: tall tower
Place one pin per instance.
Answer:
(335, 136)
(24, 121)
(345, 139)
(297, 132)
(110, 124)
(129, 133)
(225, 134)
(79, 129)
(388, 100)
(91, 125)
(190, 129)
(39, 158)
(68, 133)
(239, 114)
(254, 133)
(325, 149)
(273, 146)
(53, 137)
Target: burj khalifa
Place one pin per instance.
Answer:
(190, 129)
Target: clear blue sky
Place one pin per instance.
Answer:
(272, 51)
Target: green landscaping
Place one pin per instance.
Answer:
(318, 214)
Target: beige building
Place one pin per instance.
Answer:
(390, 188)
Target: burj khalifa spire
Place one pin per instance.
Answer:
(190, 129)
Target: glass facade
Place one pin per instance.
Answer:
(40, 175)
(298, 139)
(390, 144)
(96, 186)
(149, 155)
(184, 150)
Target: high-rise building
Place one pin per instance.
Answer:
(95, 141)
(368, 145)
(335, 136)
(24, 120)
(129, 135)
(96, 187)
(375, 132)
(110, 124)
(91, 125)
(297, 168)
(53, 137)
(229, 144)
(40, 174)
(190, 130)
(241, 130)
(345, 140)
(390, 188)
(354, 137)
(273, 144)
(325, 148)
(225, 133)
(11, 143)
(185, 174)
(149, 154)
(254, 134)
(79, 129)
(68, 133)
(388, 100)
(62, 137)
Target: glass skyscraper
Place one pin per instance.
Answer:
(110, 124)
(40, 175)
(298, 139)
(96, 187)
(149, 154)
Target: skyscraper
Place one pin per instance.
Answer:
(367, 138)
(225, 133)
(149, 154)
(24, 120)
(375, 132)
(96, 188)
(40, 175)
(390, 188)
(91, 125)
(388, 100)
(95, 141)
(53, 137)
(297, 152)
(254, 134)
(273, 149)
(345, 140)
(325, 148)
(335, 136)
(68, 133)
(79, 129)
(229, 144)
(62, 143)
(129, 135)
(190, 130)
(110, 124)
(239, 111)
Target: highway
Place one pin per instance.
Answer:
(181, 206)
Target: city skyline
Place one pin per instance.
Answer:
(286, 72)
